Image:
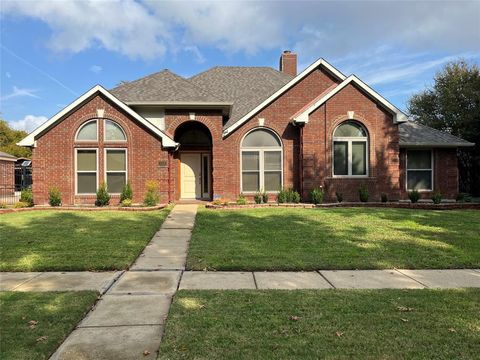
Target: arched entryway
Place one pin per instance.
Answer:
(195, 155)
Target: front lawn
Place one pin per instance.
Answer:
(75, 240)
(323, 324)
(33, 325)
(341, 238)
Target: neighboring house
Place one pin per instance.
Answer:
(232, 130)
(7, 174)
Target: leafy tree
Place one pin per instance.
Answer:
(8, 139)
(453, 105)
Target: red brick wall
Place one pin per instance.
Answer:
(7, 176)
(53, 158)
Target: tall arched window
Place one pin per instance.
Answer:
(88, 131)
(350, 150)
(261, 161)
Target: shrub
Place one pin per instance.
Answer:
(54, 196)
(414, 196)
(464, 197)
(258, 198)
(217, 201)
(339, 196)
(265, 197)
(103, 197)
(26, 197)
(126, 203)
(152, 197)
(436, 197)
(288, 196)
(241, 200)
(127, 193)
(363, 193)
(3, 205)
(383, 197)
(316, 195)
(21, 204)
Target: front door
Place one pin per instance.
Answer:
(194, 174)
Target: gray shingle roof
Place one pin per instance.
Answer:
(414, 134)
(163, 86)
(246, 87)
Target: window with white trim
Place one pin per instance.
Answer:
(115, 169)
(114, 132)
(88, 131)
(419, 170)
(261, 161)
(87, 171)
(350, 150)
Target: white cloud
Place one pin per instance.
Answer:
(28, 123)
(96, 69)
(19, 92)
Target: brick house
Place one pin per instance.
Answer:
(232, 130)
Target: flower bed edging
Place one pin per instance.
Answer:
(84, 208)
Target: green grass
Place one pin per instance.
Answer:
(346, 238)
(75, 240)
(440, 324)
(56, 314)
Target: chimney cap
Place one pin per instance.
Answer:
(287, 51)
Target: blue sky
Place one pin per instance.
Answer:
(53, 51)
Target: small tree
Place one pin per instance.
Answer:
(103, 197)
(152, 197)
(127, 193)
(54, 196)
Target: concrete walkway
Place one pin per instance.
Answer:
(127, 321)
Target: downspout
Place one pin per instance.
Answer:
(301, 160)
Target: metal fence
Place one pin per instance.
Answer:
(23, 175)
(9, 195)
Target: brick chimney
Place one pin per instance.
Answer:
(288, 63)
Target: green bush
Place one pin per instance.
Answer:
(288, 196)
(126, 203)
(383, 197)
(258, 198)
(265, 197)
(21, 204)
(241, 200)
(414, 196)
(436, 197)
(26, 197)
(3, 205)
(316, 195)
(363, 193)
(54, 196)
(464, 197)
(127, 193)
(103, 197)
(152, 196)
(339, 196)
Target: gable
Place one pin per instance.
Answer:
(29, 141)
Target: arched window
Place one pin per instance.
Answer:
(350, 150)
(114, 132)
(261, 161)
(88, 131)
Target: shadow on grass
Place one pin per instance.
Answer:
(347, 238)
(45, 241)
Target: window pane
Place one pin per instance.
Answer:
(86, 183)
(115, 182)
(113, 131)
(116, 160)
(273, 160)
(261, 138)
(350, 130)
(359, 161)
(88, 131)
(250, 160)
(419, 159)
(273, 181)
(340, 158)
(86, 160)
(250, 181)
(419, 180)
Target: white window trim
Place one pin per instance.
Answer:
(432, 165)
(105, 132)
(118, 172)
(349, 141)
(261, 169)
(82, 126)
(83, 171)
